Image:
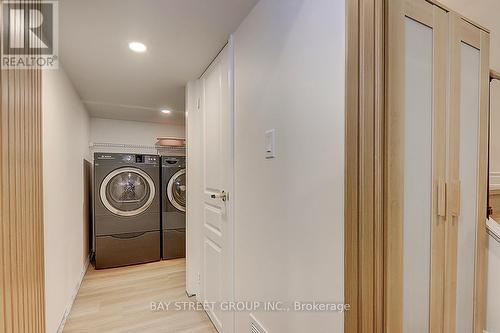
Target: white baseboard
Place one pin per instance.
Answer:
(73, 296)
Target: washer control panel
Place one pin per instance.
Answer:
(127, 158)
(149, 159)
(173, 162)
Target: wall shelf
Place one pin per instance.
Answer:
(137, 149)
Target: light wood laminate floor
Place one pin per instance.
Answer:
(119, 300)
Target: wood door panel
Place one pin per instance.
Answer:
(373, 95)
(212, 288)
(217, 239)
(213, 220)
(467, 160)
(212, 127)
(416, 165)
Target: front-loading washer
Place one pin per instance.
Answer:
(173, 207)
(127, 209)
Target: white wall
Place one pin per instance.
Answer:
(65, 146)
(131, 132)
(290, 75)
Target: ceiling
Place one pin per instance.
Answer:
(182, 37)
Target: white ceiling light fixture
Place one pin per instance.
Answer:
(165, 111)
(137, 47)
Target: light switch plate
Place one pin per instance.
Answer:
(270, 139)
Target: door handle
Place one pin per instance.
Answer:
(224, 196)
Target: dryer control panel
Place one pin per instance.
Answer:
(127, 158)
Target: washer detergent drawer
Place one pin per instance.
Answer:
(127, 249)
(174, 244)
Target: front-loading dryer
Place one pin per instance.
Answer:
(127, 209)
(173, 207)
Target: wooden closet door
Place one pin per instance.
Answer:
(415, 166)
(467, 178)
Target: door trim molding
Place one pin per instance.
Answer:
(364, 166)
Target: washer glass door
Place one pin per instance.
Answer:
(176, 190)
(127, 191)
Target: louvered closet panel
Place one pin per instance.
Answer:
(21, 218)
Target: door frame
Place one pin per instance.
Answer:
(366, 229)
(364, 166)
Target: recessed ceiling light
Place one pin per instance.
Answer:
(165, 111)
(137, 47)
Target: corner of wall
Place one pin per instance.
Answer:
(73, 297)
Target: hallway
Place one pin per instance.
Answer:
(250, 166)
(119, 300)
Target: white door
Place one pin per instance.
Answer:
(217, 247)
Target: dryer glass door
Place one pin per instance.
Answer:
(176, 190)
(127, 191)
